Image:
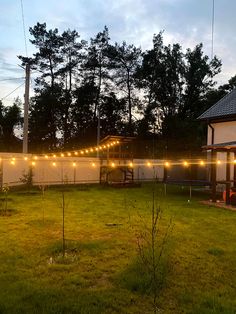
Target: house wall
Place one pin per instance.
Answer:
(223, 132)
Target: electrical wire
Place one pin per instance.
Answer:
(23, 22)
(12, 91)
(12, 79)
(212, 28)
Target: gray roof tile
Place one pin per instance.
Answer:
(226, 106)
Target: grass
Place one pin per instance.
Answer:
(101, 272)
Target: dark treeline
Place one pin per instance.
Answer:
(154, 94)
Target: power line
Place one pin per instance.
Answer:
(23, 22)
(212, 28)
(12, 79)
(12, 91)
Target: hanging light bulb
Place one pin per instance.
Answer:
(74, 164)
(167, 164)
(202, 163)
(185, 164)
(54, 164)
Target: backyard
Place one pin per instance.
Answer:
(102, 270)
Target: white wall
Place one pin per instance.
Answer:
(68, 169)
(143, 172)
(223, 132)
(13, 167)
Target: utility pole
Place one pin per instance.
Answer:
(26, 109)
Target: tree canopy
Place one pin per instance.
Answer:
(155, 93)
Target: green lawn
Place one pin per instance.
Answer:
(102, 271)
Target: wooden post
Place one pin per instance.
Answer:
(228, 184)
(213, 175)
(234, 170)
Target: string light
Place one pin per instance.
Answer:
(33, 163)
(93, 164)
(12, 162)
(54, 164)
(74, 164)
(185, 163)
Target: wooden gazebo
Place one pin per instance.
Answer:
(230, 149)
(116, 162)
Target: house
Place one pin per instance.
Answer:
(221, 120)
(221, 142)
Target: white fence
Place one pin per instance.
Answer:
(67, 169)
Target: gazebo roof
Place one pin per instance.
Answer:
(121, 139)
(223, 109)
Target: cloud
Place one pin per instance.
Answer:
(135, 21)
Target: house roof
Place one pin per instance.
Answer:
(224, 108)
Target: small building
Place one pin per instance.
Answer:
(221, 142)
